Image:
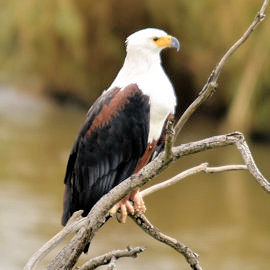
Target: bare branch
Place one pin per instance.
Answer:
(74, 223)
(97, 215)
(251, 165)
(225, 168)
(76, 216)
(99, 211)
(111, 257)
(67, 257)
(169, 139)
(236, 138)
(190, 256)
(211, 83)
(200, 168)
(174, 179)
(112, 264)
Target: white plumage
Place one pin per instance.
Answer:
(142, 66)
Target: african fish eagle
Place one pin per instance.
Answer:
(123, 128)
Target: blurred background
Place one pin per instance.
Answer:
(56, 57)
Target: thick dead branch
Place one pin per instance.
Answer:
(88, 226)
(111, 257)
(99, 211)
(190, 256)
(211, 83)
(69, 255)
(197, 169)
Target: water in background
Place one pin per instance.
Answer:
(225, 218)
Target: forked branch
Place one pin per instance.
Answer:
(149, 171)
(253, 169)
(111, 258)
(190, 256)
(197, 169)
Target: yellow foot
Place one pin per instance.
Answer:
(127, 207)
(139, 205)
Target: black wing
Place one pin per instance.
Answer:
(107, 149)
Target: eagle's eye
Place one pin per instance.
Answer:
(155, 38)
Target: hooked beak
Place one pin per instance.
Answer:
(167, 42)
(174, 43)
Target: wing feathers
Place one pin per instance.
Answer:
(112, 140)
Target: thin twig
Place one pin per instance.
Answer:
(108, 257)
(173, 180)
(225, 168)
(190, 256)
(211, 83)
(251, 165)
(74, 223)
(169, 139)
(200, 168)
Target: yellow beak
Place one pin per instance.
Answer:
(168, 42)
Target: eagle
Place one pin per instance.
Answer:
(124, 128)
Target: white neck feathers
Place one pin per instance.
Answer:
(137, 64)
(143, 67)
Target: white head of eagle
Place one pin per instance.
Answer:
(124, 128)
(151, 40)
(142, 66)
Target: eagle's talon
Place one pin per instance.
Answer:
(118, 217)
(139, 205)
(125, 206)
(113, 210)
(123, 209)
